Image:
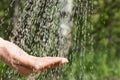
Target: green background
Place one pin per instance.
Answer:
(102, 63)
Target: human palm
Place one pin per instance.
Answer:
(26, 64)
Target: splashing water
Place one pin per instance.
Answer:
(54, 28)
(41, 21)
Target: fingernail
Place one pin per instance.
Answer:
(64, 60)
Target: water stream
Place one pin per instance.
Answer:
(53, 28)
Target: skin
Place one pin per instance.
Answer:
(24, 63)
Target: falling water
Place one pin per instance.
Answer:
(82, 33)
(45, 29)
(53, 28)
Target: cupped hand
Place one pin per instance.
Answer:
(38, 64)
(26, 64)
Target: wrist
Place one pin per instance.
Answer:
(1, 39)
(1, 50)
(2, 47)
(1, 42)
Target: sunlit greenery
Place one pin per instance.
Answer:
(100, 62)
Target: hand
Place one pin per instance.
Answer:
(26, 64)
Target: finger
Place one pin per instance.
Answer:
(24, 70)
(48, 62)
(64, 60)
(21, 62)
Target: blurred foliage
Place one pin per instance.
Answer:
(5, 18)
(101, 64)
(106, 21)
